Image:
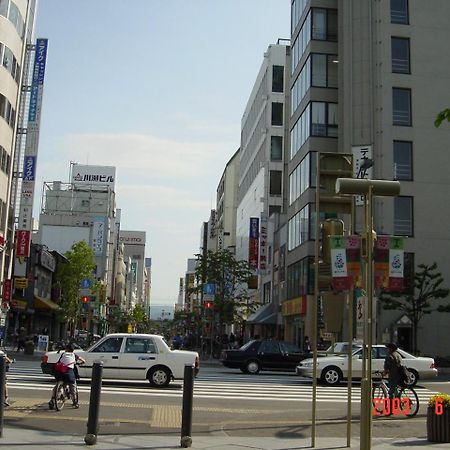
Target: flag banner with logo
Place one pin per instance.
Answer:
(389, 263)
(345, 262)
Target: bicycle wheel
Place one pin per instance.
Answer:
(378, 396)
(59, 398)
(409, 401)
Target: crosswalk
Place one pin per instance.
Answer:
(210, 383)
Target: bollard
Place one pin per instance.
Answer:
(186, 415)
(94, 403)
(2, 390)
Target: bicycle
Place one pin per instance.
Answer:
(62, 393)
(405, 400)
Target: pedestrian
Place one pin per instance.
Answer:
(8, 361)
(393, 368)
(177, 342)
(306, 345)
(21, 339)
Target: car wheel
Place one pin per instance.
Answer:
(413, 376)
(331, 376)
(159, 376)
(252, 367)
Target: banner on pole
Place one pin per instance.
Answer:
(345, 262)
(389, 263)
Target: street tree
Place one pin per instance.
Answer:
(420, 298)
(443, 115)
(80, 265)
(230, 277)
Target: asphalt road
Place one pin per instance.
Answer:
(226, 402)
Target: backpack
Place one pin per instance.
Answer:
(404, 374)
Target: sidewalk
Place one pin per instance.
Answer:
(16, 438)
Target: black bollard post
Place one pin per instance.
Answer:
(186, 415)
(2, 390)
(94, 403)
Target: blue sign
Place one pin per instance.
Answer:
(209, 289)
(29, 168)
(254, 228)
(86, 283)
(40, 59)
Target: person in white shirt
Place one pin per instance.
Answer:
(68, 359)
(7, 361)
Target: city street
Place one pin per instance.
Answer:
(226, 402)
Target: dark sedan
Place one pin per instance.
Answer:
(264, 355)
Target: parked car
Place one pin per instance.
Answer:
(131, 356)
(340, 348)
(333, 369)
(263, 354)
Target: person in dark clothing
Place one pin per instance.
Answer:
(393, 368)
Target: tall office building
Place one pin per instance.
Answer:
(17, 19)
(261, 188)
(372, 75)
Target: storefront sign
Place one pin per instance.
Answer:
(296, 306)
(20, 283)
(22, 243)
(7, 288)
(253, 242)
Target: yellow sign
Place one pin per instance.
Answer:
(130, 328)
(296, 306)
(20, 283)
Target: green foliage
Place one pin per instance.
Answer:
(443, 115)
(80, 265)
(230, 278)
(418, 302)
(440, 398)
(137, 318)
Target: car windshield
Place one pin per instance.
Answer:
(247, 345)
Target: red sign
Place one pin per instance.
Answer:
(7, 284)
(22, 243)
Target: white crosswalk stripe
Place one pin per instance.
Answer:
(209, 385)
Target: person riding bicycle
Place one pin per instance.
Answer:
(393, 368)
(67, 359)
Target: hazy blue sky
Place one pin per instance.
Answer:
(156, 88)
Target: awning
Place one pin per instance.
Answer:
(44, 303)
(266, 314)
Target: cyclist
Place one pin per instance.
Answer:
(68, 359)
(393, 368)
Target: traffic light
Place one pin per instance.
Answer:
(209, 305)
(85, 299)
(332, 166)
(330, 227)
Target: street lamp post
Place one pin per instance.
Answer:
(369, 189)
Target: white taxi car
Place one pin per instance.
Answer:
(128, 356)
(333, 369)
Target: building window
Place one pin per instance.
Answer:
(300, 278)
(276, 148)
(301, 177)
(400, 55)
(297, 8)
(275, 182)
(324, 119)
(401, 106)
(299, 228)
(399, 12)
(324, 24)
(274, 209)
(277, 79)
(277, 114)
(403, 165)
(324, 70)
(403, 216)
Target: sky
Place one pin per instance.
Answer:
(156, 88)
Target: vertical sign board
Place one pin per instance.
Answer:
(22, 243)
(98, 235)
(32, 138)
(253, 242)
(263, 243)
(7, 289)
(360, 155)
